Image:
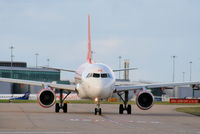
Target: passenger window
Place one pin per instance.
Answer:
(104, 76)
(95, 75)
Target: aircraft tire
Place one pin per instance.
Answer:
(99, 111)
(57, 108)
(129, 109)
(95, 111)
(65, 108)
(121, 109)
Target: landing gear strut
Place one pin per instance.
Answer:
(98, 109)
(61, 104)
(124, 106)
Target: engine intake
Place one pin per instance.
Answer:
(46, 98)
(144, 100)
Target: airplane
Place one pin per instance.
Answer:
(96, 81)
(24, 97)
(15, 97)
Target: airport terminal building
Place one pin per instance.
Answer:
(19, 70)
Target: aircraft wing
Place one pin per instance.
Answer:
(124, 69)
(120, 88)
(42, 84)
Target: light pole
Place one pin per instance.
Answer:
(173, 77)
(11, 58)
(183, 76)
(92, 55)
(120, 57)
(48, 62)
(36, 59)
(190, 70)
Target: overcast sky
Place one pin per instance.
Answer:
(147, 32)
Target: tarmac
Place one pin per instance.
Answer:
(80, 119)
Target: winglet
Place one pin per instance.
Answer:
(89, 53)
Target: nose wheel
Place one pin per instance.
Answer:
(98, 109)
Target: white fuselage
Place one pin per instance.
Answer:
(94, 81)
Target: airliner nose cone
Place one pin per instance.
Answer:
(101, 88)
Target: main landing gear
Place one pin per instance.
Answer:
(98, 109)
(61, 104)
(124, 106)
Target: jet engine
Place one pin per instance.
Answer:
(144, 100)
(46, 98)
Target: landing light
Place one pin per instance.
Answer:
(96, 99)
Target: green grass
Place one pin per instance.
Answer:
(190, 110)
(18, 101)
(167, 103)
(90, 102)
(120, 102)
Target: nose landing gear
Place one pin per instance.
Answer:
(98, 109)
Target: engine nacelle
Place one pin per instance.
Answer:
(46, 98)
(144, 100)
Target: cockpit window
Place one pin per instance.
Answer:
(89, 75)
(104, 75)
(95, 75)
(98, 75)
